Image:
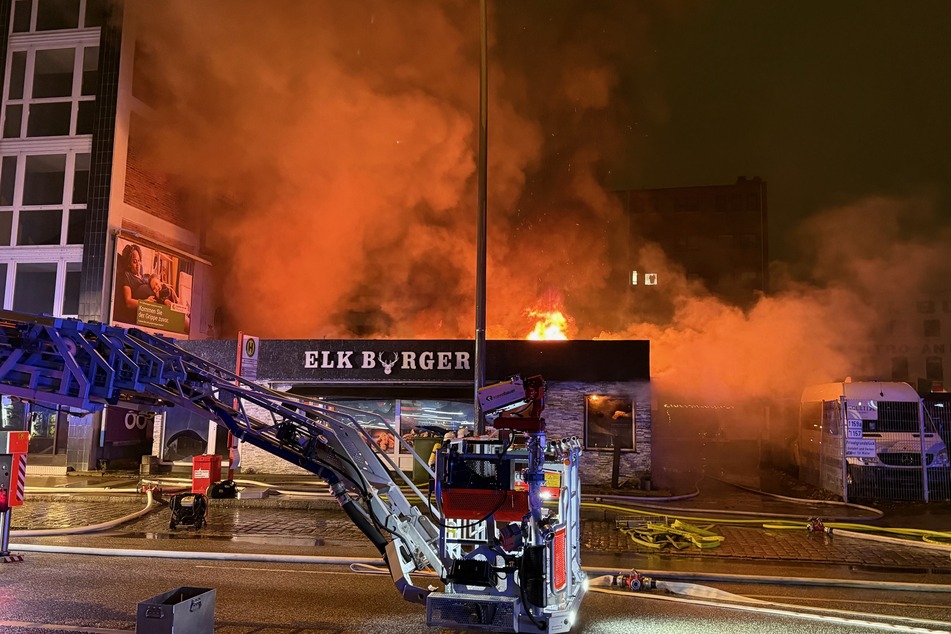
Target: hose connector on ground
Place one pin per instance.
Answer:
(816, 525)
(634, 581)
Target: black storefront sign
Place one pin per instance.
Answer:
(450, 360)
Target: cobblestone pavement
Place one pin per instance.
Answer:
(320, 521)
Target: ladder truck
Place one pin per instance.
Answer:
(502, 535)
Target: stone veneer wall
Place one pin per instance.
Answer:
(564, 415)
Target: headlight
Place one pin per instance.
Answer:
(941, 460)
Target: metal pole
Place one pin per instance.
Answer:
(4, 533)
(479, 361)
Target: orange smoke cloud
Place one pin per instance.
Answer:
(330, 148)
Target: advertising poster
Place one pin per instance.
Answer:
(153, 288)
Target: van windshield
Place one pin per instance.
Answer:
(894, 416)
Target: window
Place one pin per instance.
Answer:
(34, 290)
(44, 179)
(3, 284)
(46, 86)
(81, 179)
(17, 75)
(54, 15)
(899, 368)
(932, 327)
(934, 369)
(609, 422)
(90, 70)
(926, 307)
(22, 16)
(71, 289)
(8, 176)
(39, 227)
(49, 119)
(53, 73)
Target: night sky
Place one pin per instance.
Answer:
(829, 102)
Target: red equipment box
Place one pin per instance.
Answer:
(206, 470)
(480, 504)
(14, 441)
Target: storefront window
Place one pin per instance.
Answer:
(609, 422)
(43, 427)
(14, 414)
(412, 418)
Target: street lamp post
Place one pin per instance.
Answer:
(479, 361)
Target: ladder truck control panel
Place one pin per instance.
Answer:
(502, 534)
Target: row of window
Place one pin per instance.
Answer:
(43, 199)
(930, 327)
(33, 16)
(50, 288)
(934, 369)
(49, 93)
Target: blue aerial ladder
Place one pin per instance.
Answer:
(508, 559)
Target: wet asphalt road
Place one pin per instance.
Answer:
(99, 594)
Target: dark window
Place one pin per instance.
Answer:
(609, 422)
(53, 73)
(71, 290)
(17, 74)
(49, 119)
(932, 327)
(86, 118)
(90, 70)
(3, 284)
(926, 307)
(22, 11)
(39, 227)
(35, 288)
(13, 121)
(44, 179)
(934, 369)
(6, 230)
(8, 179)
(76, 229)
(81, 180)
(52, 15)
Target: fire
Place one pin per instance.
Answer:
(551, 325)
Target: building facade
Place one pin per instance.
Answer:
(597, 391)
(716, 233)
(87, 228)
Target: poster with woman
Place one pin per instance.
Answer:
(152, 288)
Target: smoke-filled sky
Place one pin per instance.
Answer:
(331, 149)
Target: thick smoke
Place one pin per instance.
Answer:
(330, 148)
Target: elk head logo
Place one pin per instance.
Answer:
(388, 366)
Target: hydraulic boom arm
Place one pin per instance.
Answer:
(85, 366)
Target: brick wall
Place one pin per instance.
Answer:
(565, 415)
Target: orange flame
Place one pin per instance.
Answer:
(550, 325)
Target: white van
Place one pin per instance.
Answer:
(876, 426)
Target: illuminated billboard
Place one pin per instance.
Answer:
(153, 288)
